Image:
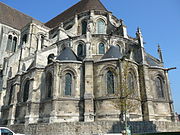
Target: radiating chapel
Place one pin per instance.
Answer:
(70, 68)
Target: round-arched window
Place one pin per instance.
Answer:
(101, 48)
(81, 50)
(84, 26)
(9, 42)
(101, 26)
(26, 91)
(159, 87)
(49, 85)
(131, 81)
(110, 82)
(68, 85)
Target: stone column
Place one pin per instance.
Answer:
(39, 43)
(170, 97)
(32, 111)
(123, 29)
(146, 94)
(89, 38)
(88, 94)
(141, 44)
(55, 94)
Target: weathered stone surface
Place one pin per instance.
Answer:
(38, 88)
(94, 128)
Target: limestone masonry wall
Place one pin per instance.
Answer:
(94, 128)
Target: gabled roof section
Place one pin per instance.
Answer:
(13, 18)
(152, 61)
(83, 5)
(67, 54)
(113, 52)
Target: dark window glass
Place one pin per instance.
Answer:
(50, 58)
(68, 84)
(101, 48)
(110, 82)
(159, 87)
(49, 83)
(10, 95)
(84, 26)
(130, 81)
(24, 39)
(8, 48)
(101, 26)
(26, 91)
(6, 132)
(13, 49)
(81, 51)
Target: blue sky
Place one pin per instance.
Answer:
(158, 19)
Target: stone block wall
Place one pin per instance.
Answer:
(94, 128)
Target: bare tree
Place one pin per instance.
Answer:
(127, 95)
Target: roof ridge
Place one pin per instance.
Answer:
(20, 12)
(153, 57)
(81, 6)
(12, 11)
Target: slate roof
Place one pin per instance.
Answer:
(13, 18)
(152, 61)
(83, 5)
(113, 52)
(67, 54)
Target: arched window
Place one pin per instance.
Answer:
(50, 58)
(26, 91)
(9, 42)
(84, 26)
(110, 82)
(159, 87)
(49, 85)
(13, 49)
(68, 84)
(81, 50)
(24, 39)
(101, 28)
(101, 48)
(10, 95)
(130, 81)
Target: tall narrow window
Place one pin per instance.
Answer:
(49, 85)
(130, 81)
(14, 44)
(68, 84)
(84, 26)
(81, 51)
(159, 87)
(101, 48)
(101, 27)
(9, 42)
(24, 39)
(26, 91)
(10, 95)
(110, 82)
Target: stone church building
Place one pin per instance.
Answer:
(71, 68)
